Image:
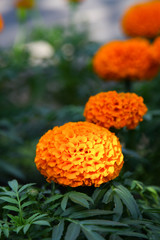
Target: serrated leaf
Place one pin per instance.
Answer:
(103, 223)
(127, 199)
(71, 210)
(53, 198)
(25, 186)
(6, 230)
(64, 202)
(13, 185)
(92, 235)
(42, 222)
(58, 231)
(8, 199)
(81, 195)
(26, 228)
(81, 201)
(132, 234)
(118, 208)
(108, 196)
(18, 229)
(98, 194)
(12, 208)
(90, 213)
(26, 204)
(73, 231)
(35, 217)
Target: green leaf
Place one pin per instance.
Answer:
(18, 229)
(92, 235)
(81, 195)
(118, 207)
(98, 194)
(42, 222)
(127, 199)
(73, 231)
(108, 196)
(132, 234)
(58, 231)
(26, 186)
(13, 185)
(24, 196)
(35, 217)
(10, 200)
(71, 210)
(64, 202)
(26, 228)
(81, 201)
(103, 222)
(54, 198)
(12, 208)
(90, 213)
(26, 204)
(6, 230)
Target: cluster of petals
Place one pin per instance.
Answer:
(117, 110)
(156, 49)
(1, 23)
(142, 19)
(25, 4)
(79, 154)
(126, 60)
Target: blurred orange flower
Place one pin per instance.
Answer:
(25, 3)
(79, 154)
(142, 19)
(118, 110)
(156, 49)
(1, 23)
(130, 59)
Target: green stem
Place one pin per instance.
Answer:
(20, 209)
(128, 85)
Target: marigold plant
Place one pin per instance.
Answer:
(78, 154)
(1, 23)
(130, 59)
(118, 110)
(142, 19)
(25, 3)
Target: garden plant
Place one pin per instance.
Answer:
(79, 131)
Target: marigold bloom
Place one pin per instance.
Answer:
(112, 109)
(142, 19)
(25, 4)
(156, 49)
(1, 23)
(130, 59)
(79, 154)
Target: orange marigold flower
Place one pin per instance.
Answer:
(25, 4)
(156, 49)
(112, 109)
(79, 154)
(1, 23)
(130, 59)
(142, 19)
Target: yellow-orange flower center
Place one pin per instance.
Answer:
(118, 110)
(78, 154)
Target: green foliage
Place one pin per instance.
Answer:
(125, 211)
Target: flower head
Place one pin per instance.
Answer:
(25, 4)
(130, 59)
(142, 19)
(78, 154)
(156, 49)
(1, 23)
(112, 109)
